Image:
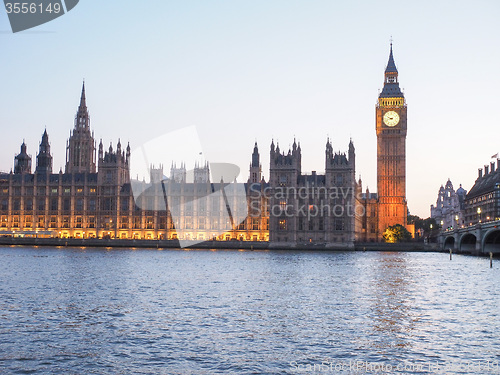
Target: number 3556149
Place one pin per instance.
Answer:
(25, 8)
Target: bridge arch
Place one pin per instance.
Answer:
(491, 241)
(468, 242)
(449, 243)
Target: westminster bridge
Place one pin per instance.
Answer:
(481, 238)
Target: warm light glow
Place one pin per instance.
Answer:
(389, 236)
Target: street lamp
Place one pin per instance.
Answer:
(479, 213)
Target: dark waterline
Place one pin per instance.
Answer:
(98, 311)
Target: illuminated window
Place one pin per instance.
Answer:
(282, 224)
(255, 224)
(149, 222)
(283, 205)
(137, 223)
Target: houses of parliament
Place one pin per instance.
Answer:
(94, 196)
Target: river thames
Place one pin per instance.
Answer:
(98, 311)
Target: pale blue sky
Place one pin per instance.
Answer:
(253, 70)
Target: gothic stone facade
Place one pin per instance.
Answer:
(94, 197)
(450, 205)
(311, 208)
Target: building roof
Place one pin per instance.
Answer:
(312, 179)
(391, 90)
(391, 65)
(485, 184)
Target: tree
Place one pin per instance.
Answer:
(396, 233)
(413, 219)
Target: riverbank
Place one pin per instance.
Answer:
(245, 245)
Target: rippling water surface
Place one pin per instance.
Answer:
(97, 311)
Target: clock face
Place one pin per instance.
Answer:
(391, 118)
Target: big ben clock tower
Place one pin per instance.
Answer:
(391, 151)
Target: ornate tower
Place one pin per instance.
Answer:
(44, 158)
(178, 174)
(284, 173)
(22, 162)
(255, 166)
(391, 150)
(113, 166)
(80, 149)
(201, 172)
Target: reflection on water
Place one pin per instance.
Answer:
(203, 312)
(391, 310)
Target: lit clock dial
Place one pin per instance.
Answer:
(391, 118)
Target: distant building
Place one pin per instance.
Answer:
(482, 202)
(315, 208)
(81, 202)
(449, 211)
(367, 222)
(95, 196)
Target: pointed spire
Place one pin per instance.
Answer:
(45, 141)
(44, 158)
(391, 65)
(391, 85)
(83, 102)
